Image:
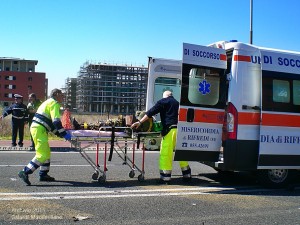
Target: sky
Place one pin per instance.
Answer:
(65, 34)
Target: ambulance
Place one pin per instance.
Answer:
(240, 110)
(163, 75)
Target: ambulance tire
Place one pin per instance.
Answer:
(276, 178)
(224, 173)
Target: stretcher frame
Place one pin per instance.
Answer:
(81, 143)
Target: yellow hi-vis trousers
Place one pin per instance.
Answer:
(42, 148)
(40, 139)
(167, 147)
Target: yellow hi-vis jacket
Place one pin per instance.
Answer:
(48, 116)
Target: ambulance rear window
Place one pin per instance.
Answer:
(163, 84)
(204, 86)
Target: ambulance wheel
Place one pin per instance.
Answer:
(276, 178)
(224, 172)
(131, 174)
(141, 178)
(95, 175)
(102, 179)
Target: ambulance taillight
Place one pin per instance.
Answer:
(231, 121)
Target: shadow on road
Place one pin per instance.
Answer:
(240, 183)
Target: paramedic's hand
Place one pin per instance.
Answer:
(67, 136)
(136, 124)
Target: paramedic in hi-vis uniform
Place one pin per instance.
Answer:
(46, 119)
(168, 108)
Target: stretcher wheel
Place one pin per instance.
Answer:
(131, 174)
(102, 179)
(141, 177)
(95, 175)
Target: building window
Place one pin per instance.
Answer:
(29, 87)
(29, 78)
(9, 86)
(7, 68)
(10, 78)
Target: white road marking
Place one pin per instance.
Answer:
(121, 193)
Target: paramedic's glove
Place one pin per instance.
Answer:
(67, 136)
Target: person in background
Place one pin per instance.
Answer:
(46, 119)
(19, 113)
(33, 104)
(69, 122)
(168, 108)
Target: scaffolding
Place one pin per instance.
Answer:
(70, 93)
(111, 89)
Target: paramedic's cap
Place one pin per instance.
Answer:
(55, 92)
(18, 96)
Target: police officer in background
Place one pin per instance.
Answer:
(19, 117)
(168, 108)
(46, 119)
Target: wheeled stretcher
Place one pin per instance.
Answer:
(115, 139)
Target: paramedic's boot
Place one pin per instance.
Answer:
(186, 174)
(47, 178)
(24, 177)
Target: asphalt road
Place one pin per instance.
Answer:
(208, 199)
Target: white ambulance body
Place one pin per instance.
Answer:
(240, 110)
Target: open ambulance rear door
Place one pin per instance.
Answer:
(202, 103)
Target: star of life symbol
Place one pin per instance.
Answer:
(204, 87)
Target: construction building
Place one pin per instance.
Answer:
(70, 93)
(18, 76)
(108, 89)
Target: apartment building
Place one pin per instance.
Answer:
(19, 76)
(108, 89)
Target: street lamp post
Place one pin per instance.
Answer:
(251, 20)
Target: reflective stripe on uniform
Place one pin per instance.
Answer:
(32, 166)
(61, 130)
(45, 115)
(18, 117)
(45, 167)
(165, 175)
(39, 121)
(186, 171)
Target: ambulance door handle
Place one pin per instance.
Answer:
(250, 107)
(190, 115)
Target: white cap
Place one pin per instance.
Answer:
(18, 96)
